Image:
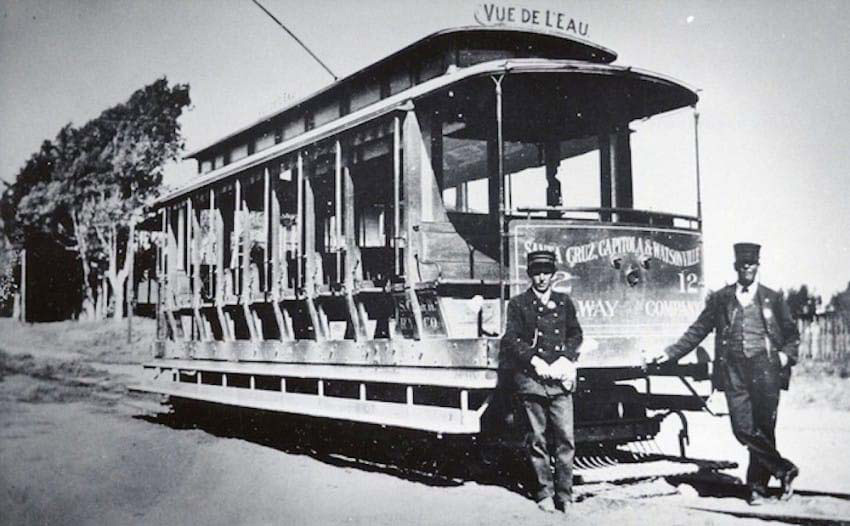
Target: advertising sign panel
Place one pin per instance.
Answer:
(634, 288)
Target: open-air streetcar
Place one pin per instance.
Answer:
(350, 257)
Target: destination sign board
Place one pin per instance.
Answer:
(433, 324)
(634, 288)
(492, 14)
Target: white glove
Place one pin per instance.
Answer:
(541, 368)
(558, 368)
(565, 371)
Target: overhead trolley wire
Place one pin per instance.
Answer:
(317, 59)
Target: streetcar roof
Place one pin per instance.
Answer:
(568, 47)
(668, 94)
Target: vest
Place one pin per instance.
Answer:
(748, 333)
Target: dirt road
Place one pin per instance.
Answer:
(76, 448)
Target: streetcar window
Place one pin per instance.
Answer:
(430, 68)
(208, 248)
(365, 94)
(663, 156)
(465, 172)
(576, 174)
(264, 141)
(292, 128)
(239, 152)
(326, 113)
(254, 230)
(372, 227)
(399, 80)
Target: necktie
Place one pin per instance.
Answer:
(745, 290)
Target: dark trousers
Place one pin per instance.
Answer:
(752, 392)
(549, 435)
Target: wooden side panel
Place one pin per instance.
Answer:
(446, 252)
(472, 352)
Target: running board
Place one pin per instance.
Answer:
(435, 419)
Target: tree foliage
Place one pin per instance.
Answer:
(86, 187)
(801, 303)
(840, 303)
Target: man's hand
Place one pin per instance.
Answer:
(541, 368)
(563, 369)
(557, 368)
(783, 359)
(565, 372)
(657, 356)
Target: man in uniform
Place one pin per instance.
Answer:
(541, 343)
(755, 346)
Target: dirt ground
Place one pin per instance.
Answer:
(77, 448)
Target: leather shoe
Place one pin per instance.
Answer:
(562, 504)
(547, 505)
(756, 498)
(787, 479)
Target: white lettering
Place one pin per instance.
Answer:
(596, 308)
(672, 309)
(616, 246)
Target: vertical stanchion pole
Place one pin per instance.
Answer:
(501, 174)
(396, 192)
(299, 228)
(696, 154)
(267, 258)
(131, 289)
(337, 242)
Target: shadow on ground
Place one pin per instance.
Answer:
(410, 455)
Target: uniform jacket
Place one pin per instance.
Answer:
(717, 316)
(529, 324)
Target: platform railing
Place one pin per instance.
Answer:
(630, 216)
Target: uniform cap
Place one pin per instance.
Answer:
(747, 252)
(541, 260)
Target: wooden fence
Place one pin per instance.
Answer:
(825, 338)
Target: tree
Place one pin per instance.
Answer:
(840, 303)
(88, 187)
(144, 135)
(801, 303)
(37, 170)
(9, 258)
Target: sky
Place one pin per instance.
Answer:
(772, 76)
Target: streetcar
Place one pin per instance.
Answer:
(349, 258)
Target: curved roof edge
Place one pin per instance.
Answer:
(605, 55)
(593, 52)
(400, 100)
